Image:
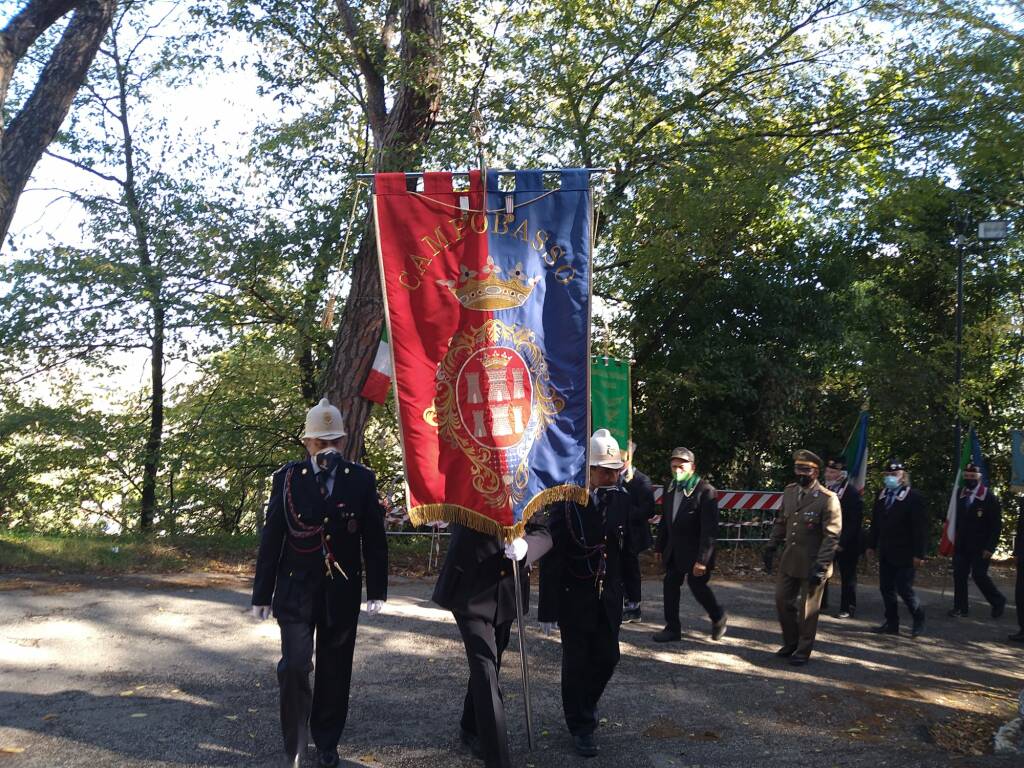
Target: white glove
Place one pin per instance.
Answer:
(261, 612)
(517, 549)
(547, 627)
(373, 607)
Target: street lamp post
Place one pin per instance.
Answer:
(993, 230)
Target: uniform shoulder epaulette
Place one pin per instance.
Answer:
(793, 485)
(288, 465)
(829, 491)
(355, 465)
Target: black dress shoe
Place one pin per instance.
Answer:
(886, 629)
(957, 613)
(786, 651)
(799, 660)
(998, 609)
(718, 628)
(918, 629)
(631, 616)
(584, 744)
(472, 743)
(665, 636)
(328, 758)
(1018, 637)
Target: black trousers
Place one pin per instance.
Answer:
(698, 586)
(589, 657)
(483, 711)
(1018, 593)
(323, 708)
(846, 565)
(973, 565)
(630, 575)
(896, 580)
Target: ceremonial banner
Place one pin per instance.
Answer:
(488, 308)
(856, 454)
(970, 452)
(1017, 463)
(610, 398)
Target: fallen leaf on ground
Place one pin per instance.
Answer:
(138, 714)
(50, 716)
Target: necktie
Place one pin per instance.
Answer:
(326, 463)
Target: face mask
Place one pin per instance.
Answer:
(971, 484)
(681, 474)
(892, 482)
(328, 459)
(804, 480)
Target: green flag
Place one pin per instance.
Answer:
(610, 399)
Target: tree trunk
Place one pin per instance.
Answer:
(30, 131)
(153, 280)
(356, 344)
(400, 137)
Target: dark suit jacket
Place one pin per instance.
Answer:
(295, 583)
(979, 525)
(569, 594)
(642, 494)
(899, 533)
(1018, 542)
(850, 539)
(476, 577)
(689, 537)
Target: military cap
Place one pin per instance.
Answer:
(836, 462)
(683, 453)
(806, 458)
(972, 468)
(893, 464)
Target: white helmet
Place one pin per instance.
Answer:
(323, 421)
(604, 450)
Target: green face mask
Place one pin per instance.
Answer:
(681, 475)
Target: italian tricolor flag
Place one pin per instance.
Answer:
(379, 381)
(970, 452)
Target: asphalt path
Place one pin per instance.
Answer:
(171, 671)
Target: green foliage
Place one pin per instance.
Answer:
(777, 247)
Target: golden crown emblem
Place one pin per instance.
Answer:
(495, 361)
(490, 290)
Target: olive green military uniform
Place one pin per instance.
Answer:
(807, 532)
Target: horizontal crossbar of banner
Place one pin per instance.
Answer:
(411, 174)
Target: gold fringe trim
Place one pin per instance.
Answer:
(455, 513)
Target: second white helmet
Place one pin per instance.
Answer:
(604, 450)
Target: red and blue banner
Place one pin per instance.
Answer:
(488, 308)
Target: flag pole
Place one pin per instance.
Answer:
(522, 654)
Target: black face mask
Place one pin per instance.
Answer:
(804, 480)
(971, 484)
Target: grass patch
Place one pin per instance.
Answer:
(38, 553)
(124, 554)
